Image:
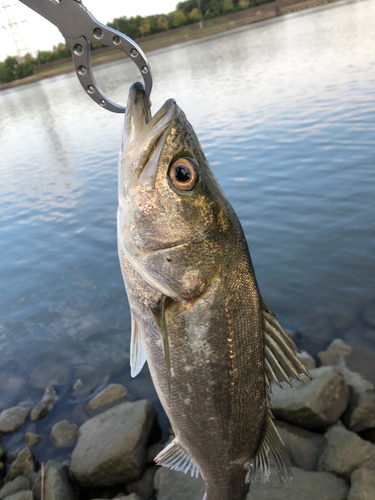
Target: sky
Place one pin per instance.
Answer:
(38, 33)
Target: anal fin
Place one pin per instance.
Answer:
(280, 359)
(137, 351)
(271, 445)
(174, 457)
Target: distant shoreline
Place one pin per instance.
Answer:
(169, 38)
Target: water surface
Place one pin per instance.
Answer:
(286, 116)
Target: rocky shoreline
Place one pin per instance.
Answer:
(327, 425)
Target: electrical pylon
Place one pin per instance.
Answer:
(12, 23)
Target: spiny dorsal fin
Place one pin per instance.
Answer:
(174, 457)
(271, 445)
(137, 351)
(280, 359)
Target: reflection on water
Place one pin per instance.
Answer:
(285, 113)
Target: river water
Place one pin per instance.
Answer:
(285, 111)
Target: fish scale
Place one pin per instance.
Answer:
(212, 346)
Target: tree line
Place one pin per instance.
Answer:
(135, 27)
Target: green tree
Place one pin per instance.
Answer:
(228, 5)
(179, 19)
(144, 28)
(25, 69)
(244, 4)
(162, 23)
(194, 16)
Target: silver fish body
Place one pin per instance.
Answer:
(212, 346)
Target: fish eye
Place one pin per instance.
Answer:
(183, 174)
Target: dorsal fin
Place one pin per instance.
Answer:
(174, 457)
(280, 359)
(270, 445)
(137, 351)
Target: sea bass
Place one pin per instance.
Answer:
(212, 346)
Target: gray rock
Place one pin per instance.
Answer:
(78, 386)
(360, 414)
(47, 403)
(11, 383)
(63, 432)
(113, 392)
(144, 487)
(19, 484)
(173, 485)
(344, 451)
(11, 457)
(316, 404)
(132, 496)
(32, 439)
(362, 485)
(56, 483)
(21, 495)
(22, 466)
(49, 373)
(335, 354)
(304, 447)
(306, 485)
(152, 451)
(362, 361)
(12, 419)
(307, 360)
(111, 447)
(2, 449)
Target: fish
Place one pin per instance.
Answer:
(213, 347)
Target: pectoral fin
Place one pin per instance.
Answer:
(137, 351)
(271, 445)
(174, 457)
(280, 359)
(159, 315)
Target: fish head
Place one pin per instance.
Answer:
(173, 217)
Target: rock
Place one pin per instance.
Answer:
(152, 451)
(113, 392)
(362, 361)
(22, 466)
(12, 419)
(362, 485)
(173, 485)
(306, 485)
(63, 432)
(368, 435)
(2, 449)
(344, 451)
(32, 439)
(304, 447)
(360, 414)
(56, 484)
(11, 383)
(144, 487)
(307, 360)
(21, 495)
(132, 496)
(318, 403)
(47, 403)
(78, 386)
(49, 373)
(11, 457)
(118, 438)
(335, 354)
(18, 484)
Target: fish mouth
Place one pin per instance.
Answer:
(144, 136)
(138, 119)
